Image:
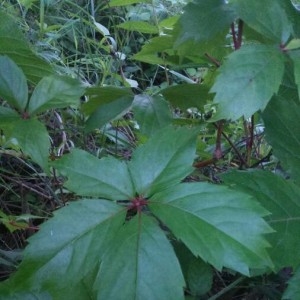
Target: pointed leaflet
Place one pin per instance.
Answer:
(33, 139)
(151, 113)
(293, 290)
(221, 226)
(281, 118)
(14, 44)
(281, 198)
(140, 265)
(108, 112)
(197, 273)
(87, 175)
(164, 160)
(103, 95)
(185, 96)
(55, 92)
(202, 20)
(267, 17)
(8, 117)
(247, 81)
(68, 247)
(140, 26)
(13, 85)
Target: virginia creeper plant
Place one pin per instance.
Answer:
(139, 229)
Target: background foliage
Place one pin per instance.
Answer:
(149, 149)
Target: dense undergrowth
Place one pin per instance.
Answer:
(149, 149)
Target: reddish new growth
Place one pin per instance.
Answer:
(137, 204)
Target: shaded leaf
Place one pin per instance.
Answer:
(163, 161)
(108, 112)
(187, 95)
(267, 17)
(196, 21)
(55, 92)
(247, 81)
(11, 38)
(281, 198)
(152, 51)
(68, 246)
(114, 3)
(223, 227)
(33, 138)
(146, 268)
(281, 118)
(293, 290)
(151, 113)
(103, 95)
(197, 273)
(13, 85)
(107, 178)
(8, 119)
(140, 26)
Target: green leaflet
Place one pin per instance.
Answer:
(163, 161)
(281, 118)
(55, 92)
(33, 139)
(107, 178)
(140, 26)
(247, 81)
(14, 45)
(107, 112)
(223, 227)
(13, 85)
(151, 113)
(68, 246)
(267, 17)
(187, 95)
(281, 198)
(202, 20)
(145, 268)
(103, 95)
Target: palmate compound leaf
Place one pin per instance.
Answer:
(225, 228)
(163, 161)
(106, 178)
(247, 81)
(146, 268)
(67, 248)
(281, 198)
